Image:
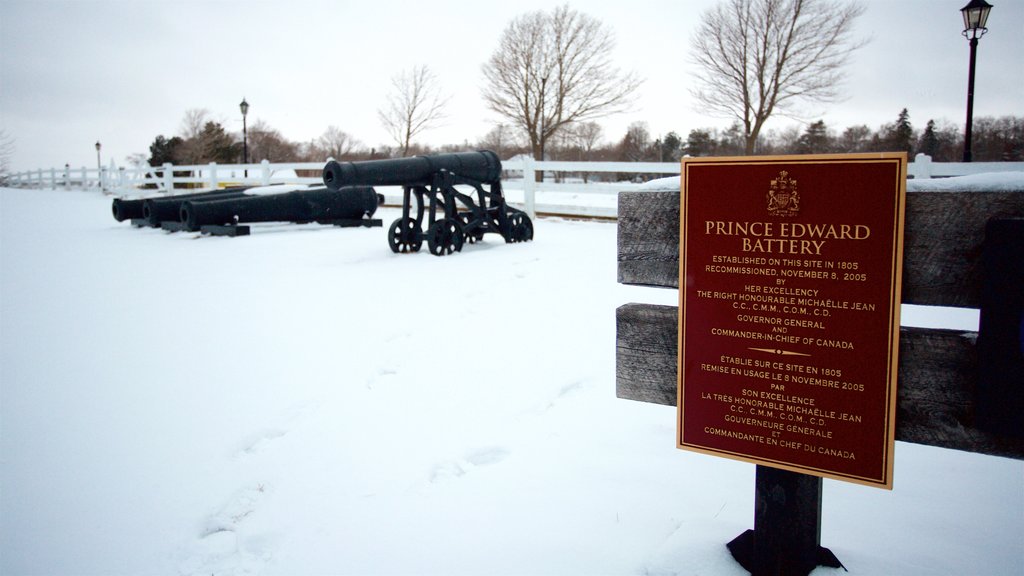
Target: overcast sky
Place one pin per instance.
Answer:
(122, 71)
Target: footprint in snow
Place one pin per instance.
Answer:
(566, 391)
(382, 375)
(258, 441)
(235, 511)
(265, 437)
(224, 545)
(476, 459)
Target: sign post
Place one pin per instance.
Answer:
(790, 279)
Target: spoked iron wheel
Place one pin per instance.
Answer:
(407, 228)
(471, 230)
(520, 228)
(444, 237)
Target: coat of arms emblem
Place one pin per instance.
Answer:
(783, 199)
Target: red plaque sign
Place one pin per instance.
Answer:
(789, 311)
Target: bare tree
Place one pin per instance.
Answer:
(137, 159)
(636, 144)
(193, 122)
(760, 57)
(585, 138)
(855, 139)
(6, 151)
(415, 105)
(191, 131)
(336, 143)
(502, 140)
(587, 135)
(267, 143)
(553, 69)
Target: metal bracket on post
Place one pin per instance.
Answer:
(786, 539)
(1000, 395)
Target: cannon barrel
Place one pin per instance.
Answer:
(135, 208)
(157, 210)
(126, 209)
(316, 205)
(483, 166)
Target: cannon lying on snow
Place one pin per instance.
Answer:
(157, 210)
(434, 178)
(220, 211)
(135, 209)
(320, 205)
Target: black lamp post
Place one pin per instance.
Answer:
(99, 166)
(244, 107)
(543, 139)
(975, 15)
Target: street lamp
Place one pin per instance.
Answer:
(543, 140)
(99, 166)
(244, 107)
(975, 15)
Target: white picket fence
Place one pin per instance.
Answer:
(566, 195)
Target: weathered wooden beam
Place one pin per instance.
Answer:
(936, 382)
(942, 245)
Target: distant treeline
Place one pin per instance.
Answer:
(994, 140)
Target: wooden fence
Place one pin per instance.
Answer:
(942, 401)
(558, 194)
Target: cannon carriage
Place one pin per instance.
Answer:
(443, 215)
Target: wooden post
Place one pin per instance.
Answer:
(168, 178)
(786, 539)
(264, 172)
(1001, 331)
(529, 186)
(921, 167)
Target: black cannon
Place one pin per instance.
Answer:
(135, 209)
(432, 180)
(157, 210)
(300, 206)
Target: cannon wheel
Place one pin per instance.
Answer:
(404, 236)
(445, 236)
(520, 228)
(472, 233)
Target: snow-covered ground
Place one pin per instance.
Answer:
(303, 401)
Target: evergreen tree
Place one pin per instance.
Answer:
(733, 142)
(900, 137)
(929, 142)
(671, 148)
(815, 139)
(213, 144)
(700, 143)
(164, 150)
(854, 139)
